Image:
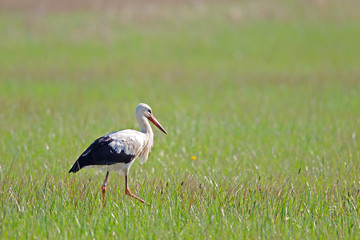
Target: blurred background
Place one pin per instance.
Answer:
(215, 73)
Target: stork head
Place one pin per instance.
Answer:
(144, 110)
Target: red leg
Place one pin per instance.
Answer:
(104, 185)
(127, 191)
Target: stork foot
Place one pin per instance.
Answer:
(127, 192)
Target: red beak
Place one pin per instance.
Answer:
(156, 123)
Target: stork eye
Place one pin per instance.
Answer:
(149, 111)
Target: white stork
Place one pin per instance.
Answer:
(117, 151)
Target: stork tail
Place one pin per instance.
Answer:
(76, 167)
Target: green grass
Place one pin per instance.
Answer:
(268, 102)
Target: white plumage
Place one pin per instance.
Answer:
(132, 142)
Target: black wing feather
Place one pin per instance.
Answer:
(100, 153)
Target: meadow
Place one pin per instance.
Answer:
(260, 99)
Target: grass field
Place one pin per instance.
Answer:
(265, 95)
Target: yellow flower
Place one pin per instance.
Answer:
(193, 158)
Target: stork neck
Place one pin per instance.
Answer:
(145, 126)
